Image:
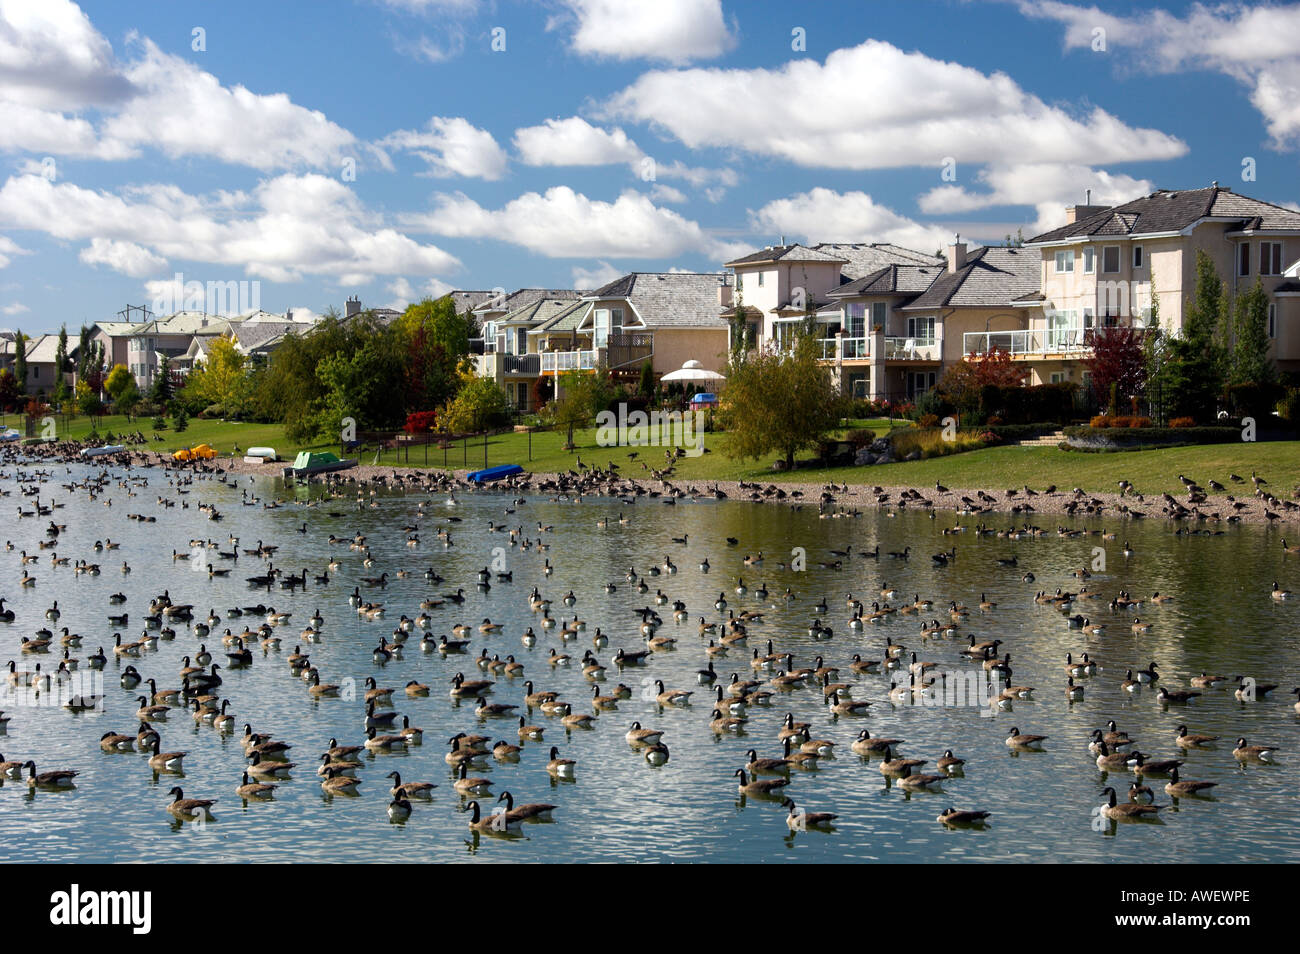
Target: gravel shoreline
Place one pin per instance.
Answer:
(862, 496)
(1023, 507)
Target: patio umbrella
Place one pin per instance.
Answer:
(693, 371)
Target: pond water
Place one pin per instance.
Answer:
(621, 808)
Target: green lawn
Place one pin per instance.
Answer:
(1152, 471)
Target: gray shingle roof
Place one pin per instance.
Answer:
(1172, 211)
(786, 253)
(890, 280)
(524, 296)
(863, 258)
(992, 276)
(256, 334)
(670, 299)
(566, 318)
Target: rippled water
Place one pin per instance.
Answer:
(620, 808)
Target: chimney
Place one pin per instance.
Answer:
(352, 306)
(956, 255)
(725, 295)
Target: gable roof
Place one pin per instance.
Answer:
(466, 300)
(993, 276)
(890, 280)
(524, 296)
(863, 258)
(670, 299)
(1166, 211)
(534, 312)
(785, 253)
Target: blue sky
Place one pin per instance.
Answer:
(386, 149)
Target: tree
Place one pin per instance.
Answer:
(784, 402)
(128, 399)
(83, 352)
(88, 401)
(479, 404)
(222, 378)
(1117, 361)
(436, 339)
(1197, 359)
(1250, 361)
(10, 393)
(646, 383)
(61, 367)
(582, 397)
(117, 381)
(20, 360)
(964, 382)
(163, 388)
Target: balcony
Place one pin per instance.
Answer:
(626, 349)
(558, 362)
(1031, 343)
(498, 364)
(911, 349)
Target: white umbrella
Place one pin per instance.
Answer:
(693, 371)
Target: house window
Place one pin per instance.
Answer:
(921, 329)
(1058, 377)
(1088, 318)
(1110, 259)
(740, 281)
(1270, 258)
(878, 311)
(601, 328)
(857, 314)
(1089, 260)
(521, 341)
(1243, 258)
(1272, 320)
(616, 321)
(760, 279)
(1137, 256)
(918, 382)
(1064, 261)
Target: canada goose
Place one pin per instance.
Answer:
(1021, 742)
(529, 732)
(758, 786)
(866, 745)
(558, 767)
(383, 743)
(799, 820)
(336, 783)
(500, 822)
(255, 790)
(59, 778)
(184, 807)
(671, 697)
(116, 742)
(896, 768)
(1126, 810)
(148, 713)
(1278, 593)
(1180, 788)
(1106, 759)
(1169, 696)
(421, 790)
(917, 782)
(164, 761)
(1187, 741)
(533, 811)
(963, 819)
(636, 735)
(1253, 753)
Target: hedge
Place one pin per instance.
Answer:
(1154, 436)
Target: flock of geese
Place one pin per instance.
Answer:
(736, 678)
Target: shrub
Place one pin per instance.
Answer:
(860, 436)
(418, 422)
(1289, 406)
(1100, 420)
(180, 420)
(159, 423)
(1183, 422)
(927, 420)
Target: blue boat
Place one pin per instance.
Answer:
(495, 473)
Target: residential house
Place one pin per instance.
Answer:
(1100, 269)
(171, 338)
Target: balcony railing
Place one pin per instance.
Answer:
(911, 349)
(1030, 342)
(625, 349)
(556, 362)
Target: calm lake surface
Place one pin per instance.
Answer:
(620, 808)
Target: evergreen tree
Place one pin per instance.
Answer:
(61, 367)
(1250, 361)
(20, 361)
